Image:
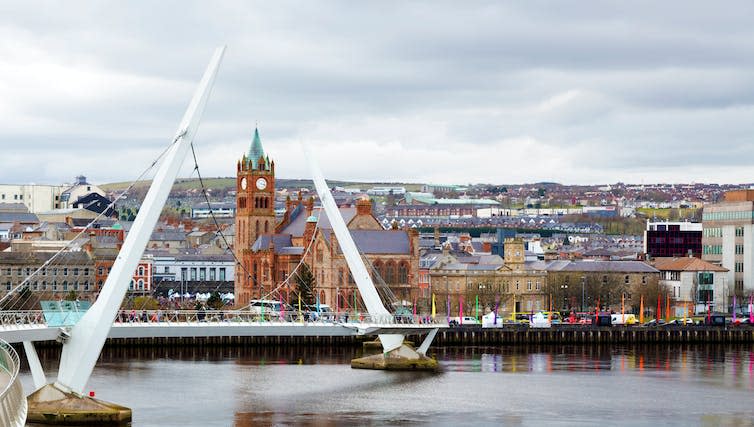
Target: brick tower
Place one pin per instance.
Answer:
(255, 214)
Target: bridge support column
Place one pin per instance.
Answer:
(50, 405)
(403, 358)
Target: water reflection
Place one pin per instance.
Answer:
(524, 385)
(733, 364)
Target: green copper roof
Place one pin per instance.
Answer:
(256, 151)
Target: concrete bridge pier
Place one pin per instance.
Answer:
(50, 405)
(403, 358)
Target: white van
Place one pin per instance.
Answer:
(268, 308)
(623, 319)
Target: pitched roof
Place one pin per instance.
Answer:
(382, 241)
(602, 266)
(686, 264)
(298, 224)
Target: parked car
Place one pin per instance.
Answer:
(654, 322)
(689, 321)
(466, 320)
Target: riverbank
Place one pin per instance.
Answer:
(475, 336)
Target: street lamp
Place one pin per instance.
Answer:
(583, 294)
(564, 291)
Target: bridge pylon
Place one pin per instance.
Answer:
(64, 402)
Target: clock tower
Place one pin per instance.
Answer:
(255, 213)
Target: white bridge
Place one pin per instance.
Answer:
(84, 339)
(20, 326)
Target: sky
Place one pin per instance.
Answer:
(439, 92)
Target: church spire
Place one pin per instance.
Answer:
(256, 151)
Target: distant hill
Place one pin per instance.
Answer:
(183, 184)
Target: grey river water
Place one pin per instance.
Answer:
(710, 385)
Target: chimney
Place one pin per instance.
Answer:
(363, 207)
(311, 224)
(309, 206)
(437, 236)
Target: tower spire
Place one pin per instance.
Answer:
(256, 151)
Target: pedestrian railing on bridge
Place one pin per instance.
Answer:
(13, 405)
(36, 318)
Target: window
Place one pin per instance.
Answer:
(402, 273)
(643, 280)
(65, 285)
(75, 271)
(528, 285)
(184, 274)
(193, 273)
(86, 271)
(389, 273)
(8, 286)
(739, 267)
(212, 274)
(140, 285)
(100, 271)
(202, 273)
(627, 279)
(166, 270)
(221, 274)
(65, 271)
(739, 249)
(86, 285)
(539, 285)
(141, 270)
(517, 284)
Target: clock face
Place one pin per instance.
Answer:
(243, 183)
(261, 183)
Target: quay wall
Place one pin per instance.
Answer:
(475, 336)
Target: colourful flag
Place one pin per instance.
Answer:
(734, 307)
(434, 307)
(667, 308)
(685, 312)
(659, 309)
(477, 308)
(460, 309)
(641, 309)
(623, 308)
(751, 311)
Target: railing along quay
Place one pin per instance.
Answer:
(566, 334)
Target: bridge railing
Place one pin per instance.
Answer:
(13, 405)
(32, 318)
(243, 316)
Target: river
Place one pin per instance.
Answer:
(681, 385)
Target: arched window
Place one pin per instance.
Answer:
(140, 285)
(403, 273)
(141, 270)
(322, 299)
(341, 277)
(389, 272)
(266, 227)
(256, 228)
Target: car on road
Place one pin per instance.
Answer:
(654, 322)
(688, 321)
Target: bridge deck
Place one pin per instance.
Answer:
(41, 332)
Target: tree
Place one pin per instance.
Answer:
(305, 283)
(214, 301)
(71, 296)
(145, 303)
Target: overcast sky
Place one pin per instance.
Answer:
(456, 92)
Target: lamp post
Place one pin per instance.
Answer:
(564, 291)
(583, 293)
